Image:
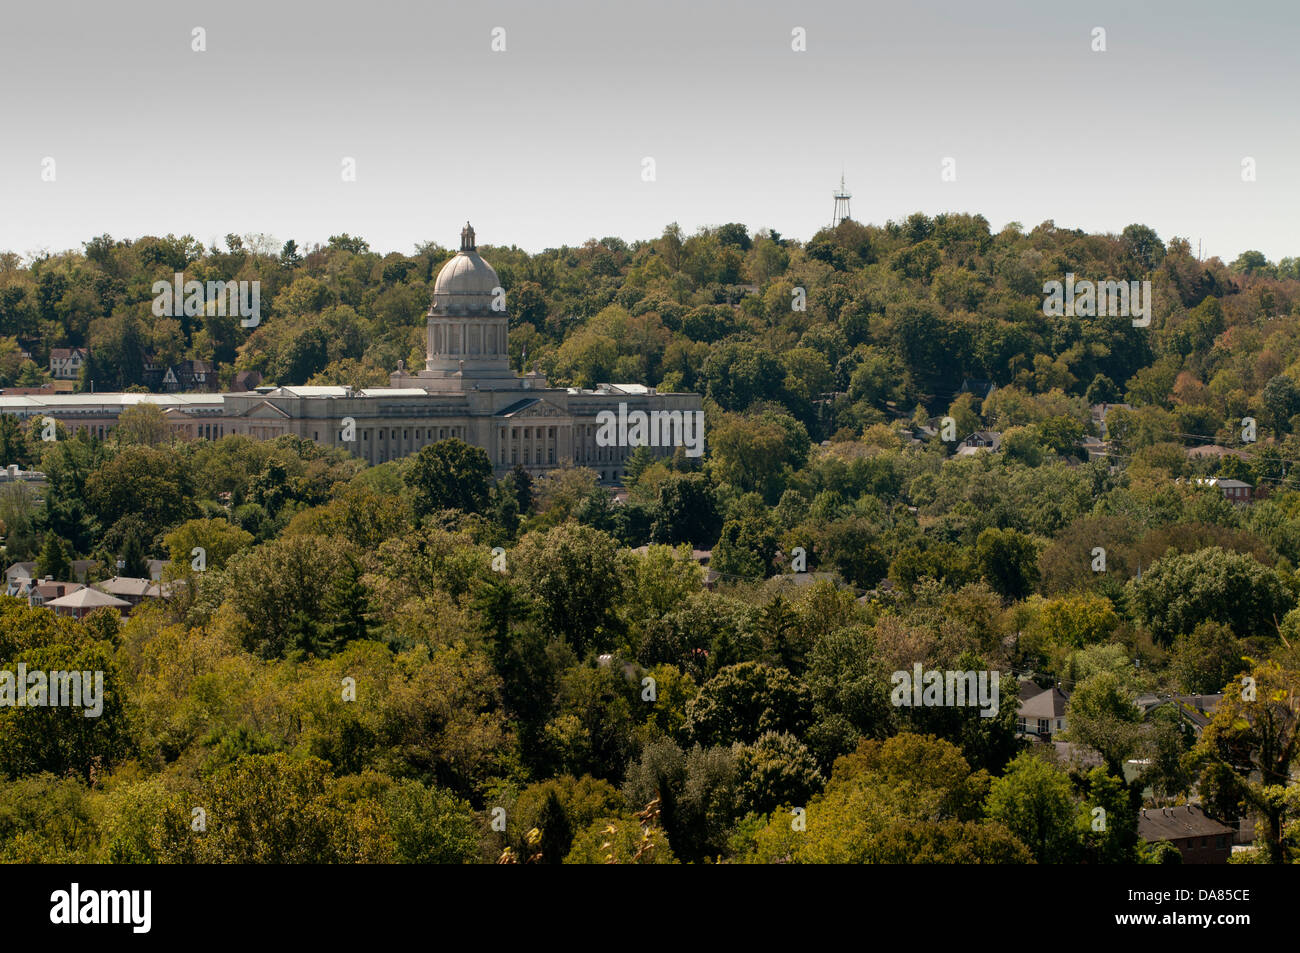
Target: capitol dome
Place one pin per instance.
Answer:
(466, 284)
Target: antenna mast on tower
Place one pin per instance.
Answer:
(842, 197)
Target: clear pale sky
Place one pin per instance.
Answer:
(542, 145)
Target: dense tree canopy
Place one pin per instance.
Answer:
(422, 662)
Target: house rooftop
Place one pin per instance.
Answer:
(125, 586)
(1049, 703)
(87, 598)
(1174, 823)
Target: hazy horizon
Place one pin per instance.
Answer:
(542, 145)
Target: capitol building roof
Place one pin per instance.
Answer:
(466, 284)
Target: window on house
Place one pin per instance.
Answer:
(1044, 726)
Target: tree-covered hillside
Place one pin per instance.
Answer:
(416, 662)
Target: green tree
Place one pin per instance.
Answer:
(1207, 658)
(592, 730)
(886, 795)
(641, 458)
(217, 538)
(686, 511)
(621, 840)
(450, 474)
(523, 487)
(1108, 822)
(152, 484)
(1033, 800)
(557, 833)
(59, 738)
(1247, 755)
(850, 689)
(1008, 560)
(13, 442)
(279, 810)
(1167, 743)
(142, 424)
(573, 574)
(347, 607)
(55, 561)
(134, 557)
(276, 587)
(582, 801)
(776, 770)
(428, 825)
(745, 701)
(1102, 715)
(1181, 591)
(1281, 398)
(746, 548)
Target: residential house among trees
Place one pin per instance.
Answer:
(979, 441)
(1199, 838)
(85, 600)
(66, 362)
(1042, 711)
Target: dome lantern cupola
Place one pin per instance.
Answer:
(467, 324)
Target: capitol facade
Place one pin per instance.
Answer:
(465, 390)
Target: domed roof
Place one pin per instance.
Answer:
(467, 283)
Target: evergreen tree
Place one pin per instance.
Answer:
(134, 559)
(557, 832)
(13, 442)
(347, 607)
(505, 506)
(523, 484)
(637, 463)
(54, 561)
(779, 627)
(304, 636)
(289, 257)
(497, 605)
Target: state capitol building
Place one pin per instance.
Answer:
(466, 390)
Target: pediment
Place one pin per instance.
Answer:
(533, 408)
(265, 411)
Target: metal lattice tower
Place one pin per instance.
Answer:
(842, 197)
